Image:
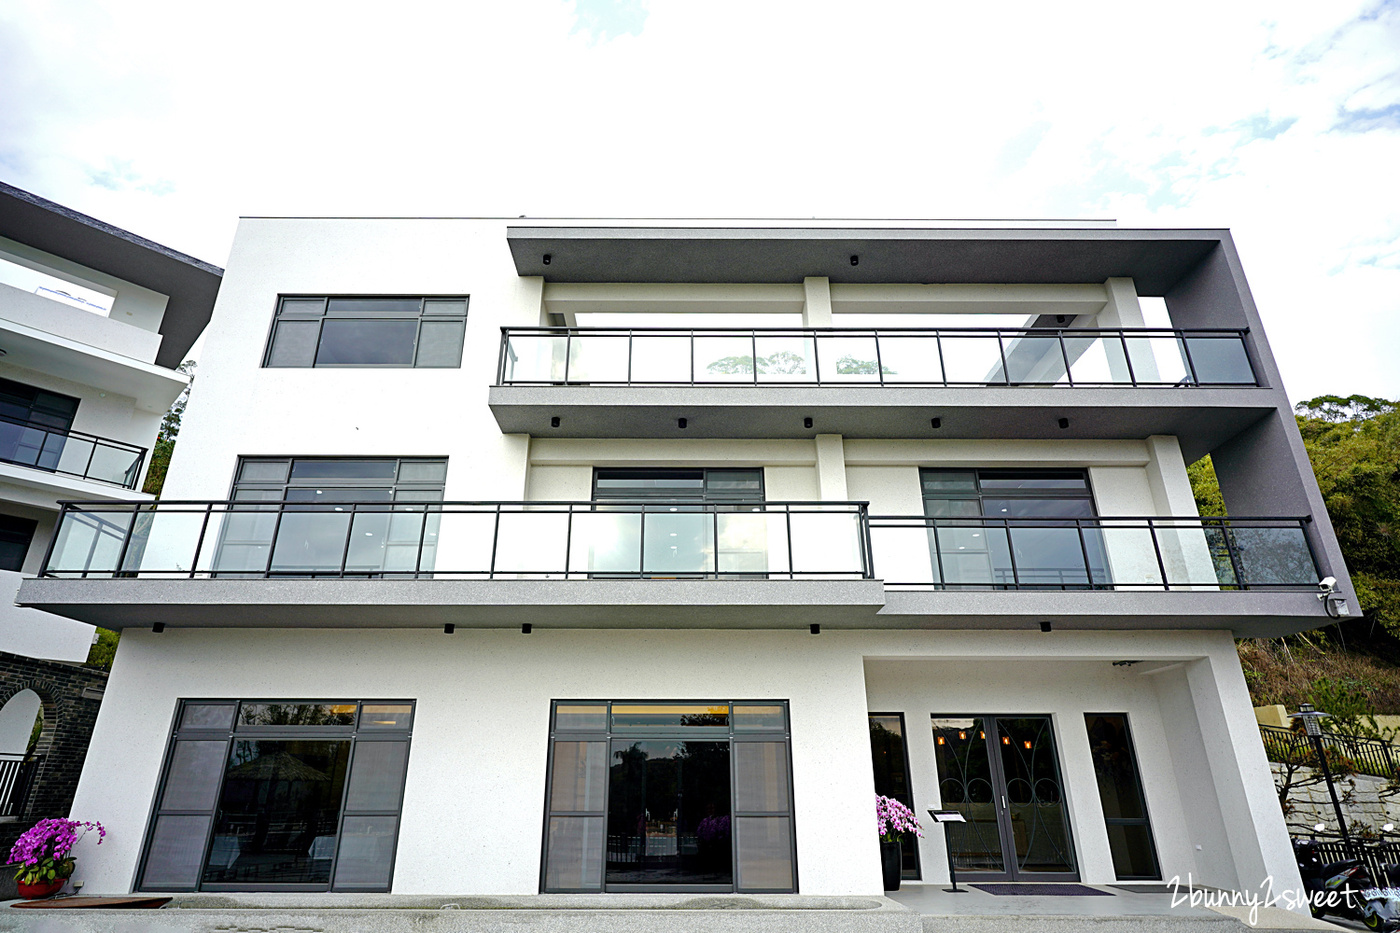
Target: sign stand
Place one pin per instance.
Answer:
(947, 818)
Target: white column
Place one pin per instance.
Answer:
(816, 301)
(831, 467)
(1122, 308)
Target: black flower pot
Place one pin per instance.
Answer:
(891, 862)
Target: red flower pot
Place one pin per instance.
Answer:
(41, 888)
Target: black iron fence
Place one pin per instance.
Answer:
(1375, 854)
(968, 356)
(71, 453)
(1364, 756)
(1094, 553)
(16, 781)
(468, 540)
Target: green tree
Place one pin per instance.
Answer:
(165, 439)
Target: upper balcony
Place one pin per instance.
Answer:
(1198, 384)
(71, 455)
(657, 564)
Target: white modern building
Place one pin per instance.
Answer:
(94, 323)
(509, 557)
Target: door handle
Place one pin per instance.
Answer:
(1003, 802)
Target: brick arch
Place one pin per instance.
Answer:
(50, 704)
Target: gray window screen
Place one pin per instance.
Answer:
(407, 331)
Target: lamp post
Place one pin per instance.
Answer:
(1313, 728)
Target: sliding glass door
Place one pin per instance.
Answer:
(1002, 773)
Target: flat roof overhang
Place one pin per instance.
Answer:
(1201, 418)
(640, 604)
(653, 604)
(190, 284)
(1155, 259)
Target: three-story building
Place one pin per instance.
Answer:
(516, 557)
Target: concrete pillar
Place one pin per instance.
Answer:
(1122, 308)
(831, 467)
(816, 301)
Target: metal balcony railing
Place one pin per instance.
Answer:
(71, 453)
(863, 356)
(1365, 756)
(1093, 553)
(16, 781)
(462, 540)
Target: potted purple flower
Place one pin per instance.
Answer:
(45, 864)
(893, 818)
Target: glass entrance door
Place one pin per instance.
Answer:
(1002, 773)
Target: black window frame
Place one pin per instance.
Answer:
(705, 494)
(354, 734)
(396, 486)
(18, 528)
(728, 732)
(280, 315)
(911, 868)
(32, 399)
(982, 494)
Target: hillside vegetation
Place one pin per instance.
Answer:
(1354, 446)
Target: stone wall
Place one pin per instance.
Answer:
(1364, 803)
(71, 695)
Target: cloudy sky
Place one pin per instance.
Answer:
(1280, 120)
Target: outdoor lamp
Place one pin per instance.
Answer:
(1310, 717)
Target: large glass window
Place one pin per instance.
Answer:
(33, 423)
(280, 795)
(341, 517)
(1120, 791)
(1031, 529)
(368, 331)
(15, 537)
(890, 758)
(669, 796)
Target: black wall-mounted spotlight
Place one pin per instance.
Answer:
(806, 422)
(526, 628)
(815, 628)
(1059, 319)
(449, 629)
(554, 422)
(936, 422)
(855, 260)
(548, 258)
(681, 423)
(1064, 423)
(1045, 626)
(158, 627)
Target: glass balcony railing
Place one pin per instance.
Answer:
(462, 540)
(71, 453)
(887, 356)
(1093, 553)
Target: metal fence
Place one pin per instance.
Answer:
(1119, 553)
(16, 780)
(1376, 855)
(71, 453)
(1364, 756)
(464, 540)
(865, 356)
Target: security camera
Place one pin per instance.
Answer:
(1327, 585)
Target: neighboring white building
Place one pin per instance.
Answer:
(465, 581)
(94, 322)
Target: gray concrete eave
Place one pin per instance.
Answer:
(1155, 259)
(1248, 614)
(1202, 418)
(650, 604)
(794, 604)
(190, 284)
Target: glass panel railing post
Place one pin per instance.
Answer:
(629, 377)
(569, 510)
(787, 517)
(92, 452)
(879, 364)
(126, 539)
(199, 542)
(1069, 371)
(1186, 355)
(495, 543)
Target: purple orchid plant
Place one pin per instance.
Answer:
(43, 851)
(894, 818)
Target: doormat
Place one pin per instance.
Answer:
(1156, 888)
(1042, 890)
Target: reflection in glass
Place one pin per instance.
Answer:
(969, 360)
(724, 359)
(850, 359)
(1120, 791)
(908, 358)
(296, 714)
(765, 852)
(891, 765)
(1219, 360)
(668, 716)
(1034, 360)
(364, 343)
(966, 784)
(1035, 797)
(278, 812)
(669, 814)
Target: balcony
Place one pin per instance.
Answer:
(867, 382)
(613, 564)
(71, 453)
(653, 564)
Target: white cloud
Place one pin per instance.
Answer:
(1279, 120)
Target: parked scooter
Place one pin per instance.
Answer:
(1346, 889)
